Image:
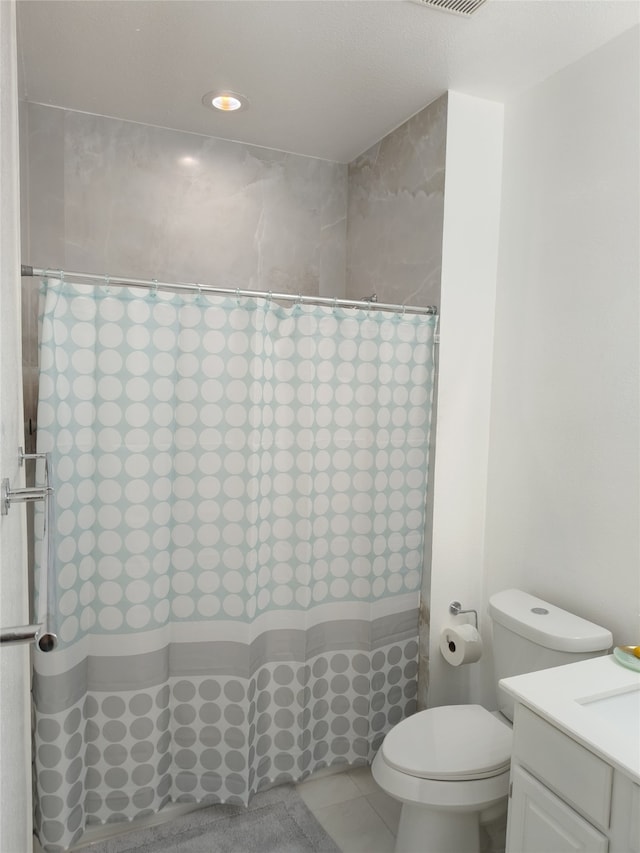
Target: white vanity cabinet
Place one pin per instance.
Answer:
(564, 797)
(540, 821)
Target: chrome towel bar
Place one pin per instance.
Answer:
(42, 632)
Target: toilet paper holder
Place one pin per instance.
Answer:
(456, 608)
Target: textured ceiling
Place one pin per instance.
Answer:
(325, 78)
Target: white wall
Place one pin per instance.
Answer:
(469, 267)
(563, 508)
(15, 763)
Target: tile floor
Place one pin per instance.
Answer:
(350, 806)
(353, 810)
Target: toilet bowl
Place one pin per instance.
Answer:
(449, 766)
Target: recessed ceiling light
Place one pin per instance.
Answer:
(226, 102)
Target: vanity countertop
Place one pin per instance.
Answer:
(596, 702)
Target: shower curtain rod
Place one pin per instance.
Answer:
(153, 284)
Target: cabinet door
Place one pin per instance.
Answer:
(540, 822)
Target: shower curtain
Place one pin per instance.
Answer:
(240, 501)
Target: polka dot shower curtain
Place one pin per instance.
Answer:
(240, 510)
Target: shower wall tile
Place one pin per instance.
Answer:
(133, 200)
(42, 209)
(395, 212)
(394, 248)
(45, 175)
(108, 196)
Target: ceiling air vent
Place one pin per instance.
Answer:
(459, 7)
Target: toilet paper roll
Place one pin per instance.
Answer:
(461, 644)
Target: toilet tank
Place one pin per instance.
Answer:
(530, 634)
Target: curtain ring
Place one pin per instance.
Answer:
(154, 291)
(238, 295)
(199, 294)
(269, 295)
(335, 304)
(106, 284)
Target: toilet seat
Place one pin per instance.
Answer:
(449, 743)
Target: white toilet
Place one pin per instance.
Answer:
(449, 766)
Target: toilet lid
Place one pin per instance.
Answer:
(453, 742)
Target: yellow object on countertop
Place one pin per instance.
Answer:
(631, 650)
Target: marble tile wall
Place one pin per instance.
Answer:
(395, 212)
(129, 199)
(108, 196)
(394, 248)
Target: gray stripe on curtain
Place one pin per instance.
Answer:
(137, 672)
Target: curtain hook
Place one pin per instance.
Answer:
(269, 296)
(154, 291)
(335, 304)
(106, 284)
(238, 295)
(199, 294)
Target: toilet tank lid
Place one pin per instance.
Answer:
(546, 624)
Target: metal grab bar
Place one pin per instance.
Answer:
(42, 633)
(10, 496)
(19, 634)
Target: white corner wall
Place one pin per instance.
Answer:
(469, 267)
(563, 508)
